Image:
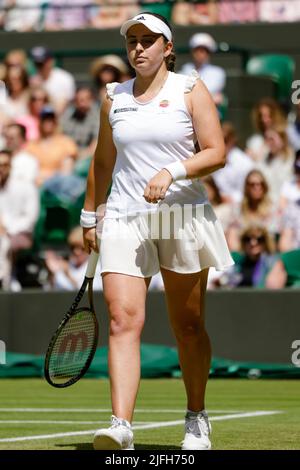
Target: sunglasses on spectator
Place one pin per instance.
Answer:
(249, 238)
(76, 246)
(38, 98)
(255, 183)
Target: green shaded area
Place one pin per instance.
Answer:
(159, 401)
(156, 361)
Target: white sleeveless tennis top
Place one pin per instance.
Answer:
(147, 137)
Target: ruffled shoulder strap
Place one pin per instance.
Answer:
(110, 89)
(191, 81)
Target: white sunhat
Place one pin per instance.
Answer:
(203, 40)
(151, 22)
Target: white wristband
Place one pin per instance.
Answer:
(177, 170)
(88, 219)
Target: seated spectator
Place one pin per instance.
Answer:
(24, 166)
(68, 274)
(231, 178)
(59, 84)
(38, 99)
(238, 11)
(107, 69)
(16, 58)
(290, 233)
(279, 11)
(266, 114)
(76, 14)
(254, 261)
(80, 121)
(22, 15)
(285, 272)
(202, 47)
(223, 209)
(291, 189)
(109, 14)
(293, 129)
(17, 85)
(19, 208)
(277, 162)
(55, 152)
(256, 208)
(186, 13)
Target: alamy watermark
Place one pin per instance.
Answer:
(296, 94)
(3, 93)
(295, 358)
(2, 352)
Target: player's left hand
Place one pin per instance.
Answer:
(157, 187)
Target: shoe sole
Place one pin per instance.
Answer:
(108, 443)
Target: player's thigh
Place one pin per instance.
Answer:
(185, 295)
(126, 293)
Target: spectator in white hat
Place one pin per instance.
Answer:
(202, 47)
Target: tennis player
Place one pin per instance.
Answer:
(157, 217)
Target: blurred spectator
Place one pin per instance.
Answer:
(67, 274)
(38, 98)
(223, 209)
(285, 272)
(293, 129)
(109, 14)
(80, 121)
(59, 84)
(22, 15)
(291, 189)
(277, 162)
(19, 208)
(186, 13)
(290, 234)
(255, 260)
(107, 69)
(202, 47)
(238, 11)
(231, 178)
(54, 151)
(16, 57)
(256, 208)
(24, 166)
(266, 114)
(17, 85)
(67, 14)
(279, 10)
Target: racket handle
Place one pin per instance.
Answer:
(92, 264)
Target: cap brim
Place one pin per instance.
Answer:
(125, 27)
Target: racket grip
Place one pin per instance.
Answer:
(92, 264)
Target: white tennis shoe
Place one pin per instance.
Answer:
(197, 431)
(118, 436)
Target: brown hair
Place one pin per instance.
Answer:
(217, 195)
(229, 132)
(171, 59)
(276, 112)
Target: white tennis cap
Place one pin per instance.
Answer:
(203, 40)
(151, 22)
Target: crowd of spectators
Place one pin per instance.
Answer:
(49, 127)
(55, 15)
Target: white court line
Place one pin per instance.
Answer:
(101, 410)
(138, 426)
(13, 421)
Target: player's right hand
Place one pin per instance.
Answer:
(90, 240)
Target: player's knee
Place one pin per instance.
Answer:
(193, 330)
(123, 321)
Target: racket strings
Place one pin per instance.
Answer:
(73, 347)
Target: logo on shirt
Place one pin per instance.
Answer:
(124, 110)
(164, 103)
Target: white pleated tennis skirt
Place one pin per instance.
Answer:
(184, 239)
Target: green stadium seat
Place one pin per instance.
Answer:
(291, 262)
(82, 167)
(279, 67)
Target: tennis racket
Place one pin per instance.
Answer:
(73, 345)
